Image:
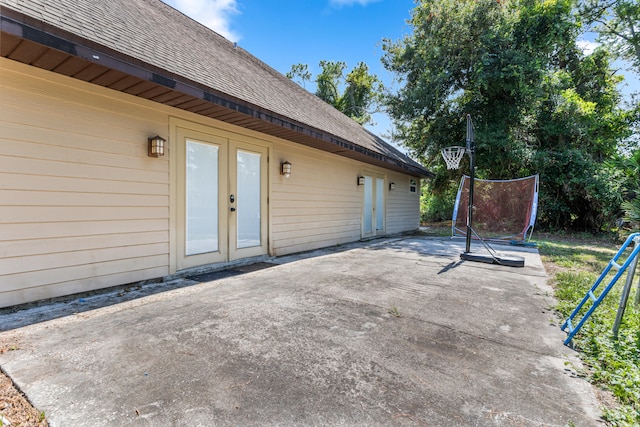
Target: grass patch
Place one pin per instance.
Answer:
(574, 265)
(435, 229)
(394, 311)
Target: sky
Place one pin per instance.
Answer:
(286, 32)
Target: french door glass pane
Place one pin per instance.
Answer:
(248, 187)
(368, 204)
(379, 203)
(202, 198)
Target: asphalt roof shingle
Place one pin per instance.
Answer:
(157, 34)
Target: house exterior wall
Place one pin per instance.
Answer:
(319, 205)
(83, 207)
(403, 206)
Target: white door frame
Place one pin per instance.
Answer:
(228, 143)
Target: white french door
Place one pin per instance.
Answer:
(201, 203)
(374, 206)
(247, 201)
(221, 199)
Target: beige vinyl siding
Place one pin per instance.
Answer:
(403, 207)
(82, 207)
(319, 205)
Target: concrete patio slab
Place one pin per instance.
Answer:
(391, 332)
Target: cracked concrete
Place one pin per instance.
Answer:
(391, 332)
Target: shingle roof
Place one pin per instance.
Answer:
(154, 33)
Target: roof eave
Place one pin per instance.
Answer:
(86, 60)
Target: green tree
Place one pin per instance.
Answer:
(580, 126)
(618, 25)
(300, 71)
(627, 168)
(487, 58)
(329, 80)
(356, 94)
(539, 105)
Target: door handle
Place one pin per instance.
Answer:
(232, 198)
(232, 209)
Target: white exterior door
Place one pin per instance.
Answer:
(247, 200)
(221, 199)
(374, 206)
(201, 208)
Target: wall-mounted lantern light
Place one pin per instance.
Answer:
(361, 180)
(392, 186)
(156, 146)
(285, 169)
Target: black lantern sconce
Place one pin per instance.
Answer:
(285, 169)
(156, 146)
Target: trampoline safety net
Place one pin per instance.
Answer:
(503, 209)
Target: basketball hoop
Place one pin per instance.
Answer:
(453, 155)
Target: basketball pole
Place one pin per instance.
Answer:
(493, 257)
(471, 147)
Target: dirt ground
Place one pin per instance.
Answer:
(15, 410)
